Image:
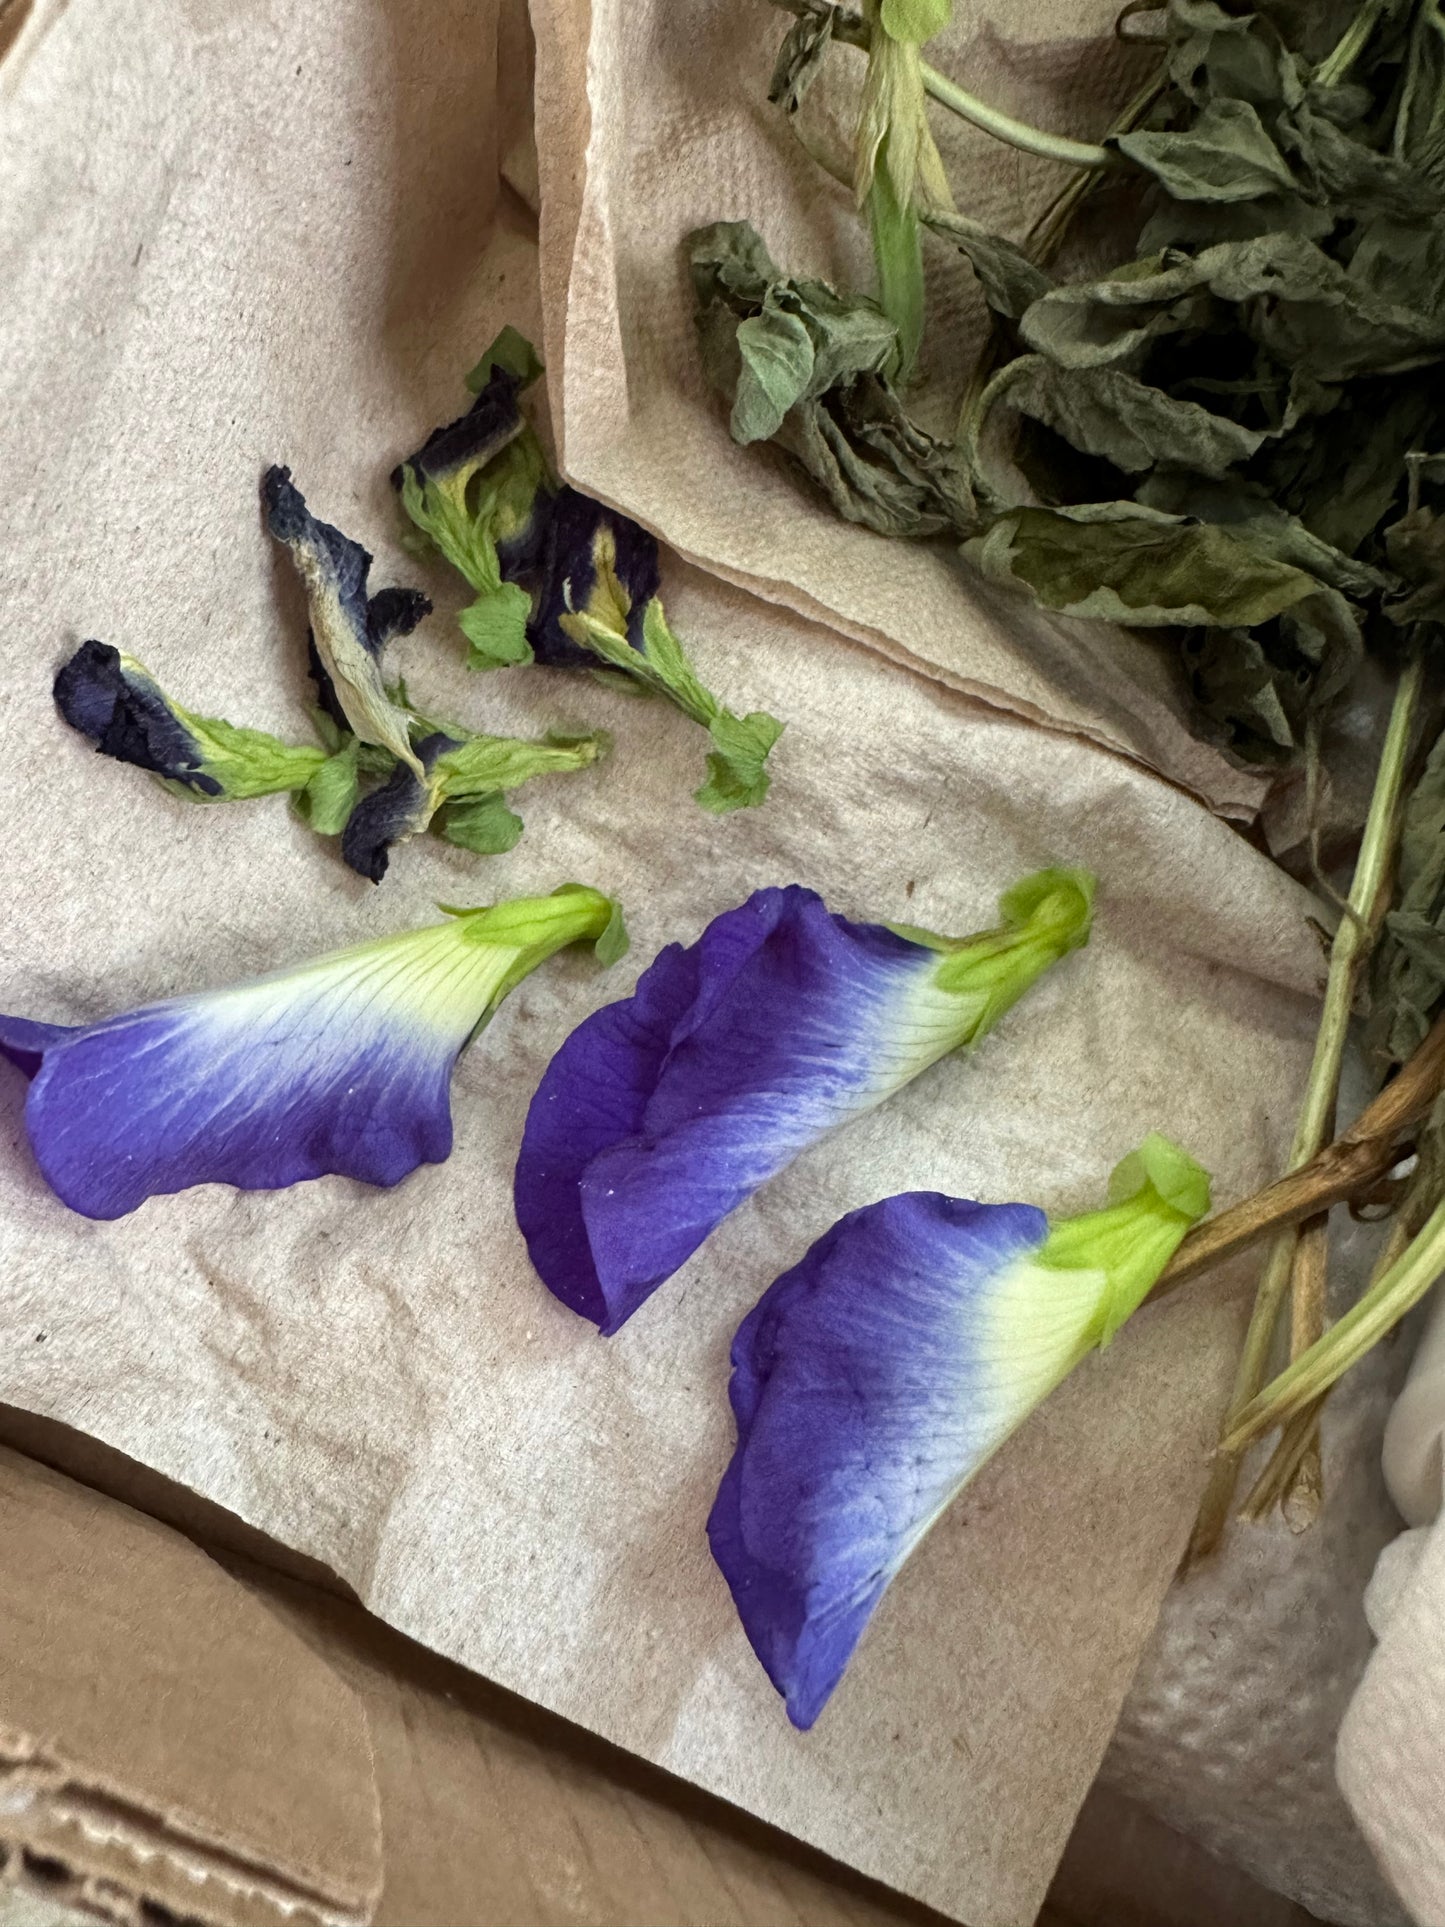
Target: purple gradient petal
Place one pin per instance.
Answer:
(660, 1115)
(862, 1402)
(25, 1043)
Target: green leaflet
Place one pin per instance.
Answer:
(329, 798)
(1105, 411)
(1224, 155)
(811, 370)
(776, 353)
(495, 626)
(482, 824)
(1120, 562)
(511, 350)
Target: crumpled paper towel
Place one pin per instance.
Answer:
(235, 232)
(1391, 1754)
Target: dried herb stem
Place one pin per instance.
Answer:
(1017, 133)
(854, 30)
(1354, 1163)
(1350, 45)
(1348, 955)
(1363, 1325)
(1304, 1492)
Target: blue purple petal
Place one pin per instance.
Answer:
(339, 1066)
(110, 698)
(579, 534)
(866, 1391)
(661, 1114)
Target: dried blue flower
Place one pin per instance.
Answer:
(340, 1066)
(479, 491)
(116, 702)
(873, 1380)
(599, 593)
(348, 631)
(461, 793)
(559, 578)
(661, 1114)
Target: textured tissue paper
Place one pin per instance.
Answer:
(235, 232)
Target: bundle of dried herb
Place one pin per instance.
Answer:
(1226, 438)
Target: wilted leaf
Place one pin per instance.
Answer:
(1224, 155)
(1120, 562)
(807, 368)
(801, 56)
(776, 351)
(1011, 282)
(1104, 411)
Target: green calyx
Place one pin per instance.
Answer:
(245, 762)
(466, 515)
(1041, 919)
(737, 774)
(1155, 1195)
(535, 928)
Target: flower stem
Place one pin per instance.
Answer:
(854, 30)
(1348, 955)
(1351, 44)
(1017, 133)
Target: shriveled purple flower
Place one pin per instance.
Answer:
(660, 1114)
(349, 629)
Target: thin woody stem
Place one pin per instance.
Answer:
(1365, 1324)
(1353, 1164)
(1348, 955)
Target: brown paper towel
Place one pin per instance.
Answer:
(237, 233)
(673, 130)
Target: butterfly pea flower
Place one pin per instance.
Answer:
(660, 1114)
(873, 1380)
(479, 491)
(599, 594)
(117, 703)
(339, 1066)
(461, 794)
(561, 579)
(349, 629)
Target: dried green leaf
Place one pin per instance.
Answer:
(1224, 155)
(776, 352)
(1107, 412)
(1120, 562)
(495, 626)
(1011, 282)
(837, 413)
(482, 824)
(801, 56)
